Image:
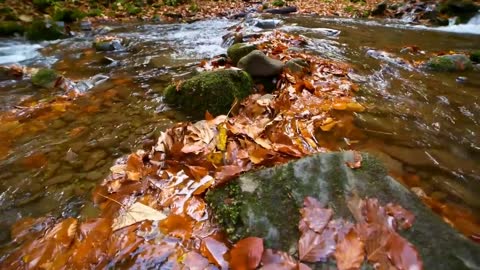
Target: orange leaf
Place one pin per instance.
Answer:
(246, 254)
(350, 252)
(214, 251)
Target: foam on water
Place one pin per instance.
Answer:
(15, 52)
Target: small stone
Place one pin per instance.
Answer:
(461, 79)
(257, 64)
(86, 25)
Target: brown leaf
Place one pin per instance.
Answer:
(273, 259)
(246, 254)
(402, 254)
(357, 161)
(227, 172)
(317, 218)
(350, 252)
(194, 261)
(402, 216)
(313, 247)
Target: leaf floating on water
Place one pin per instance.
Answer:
(135, 213)
(349, 252)
(246, 254)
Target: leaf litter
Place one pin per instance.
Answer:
(152, 207)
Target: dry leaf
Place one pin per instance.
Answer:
(350, 252)
(246, 254)
(135, 213)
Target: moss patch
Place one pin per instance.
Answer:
(44, 78)
(475, 56)
(38, 31)
(239, 50)
(214, 91)
(10, 28)
(457, 62)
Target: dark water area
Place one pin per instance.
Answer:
(425, 126)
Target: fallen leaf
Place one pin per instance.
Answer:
(402, 254)
(194, 261)
(135, 213)
(357, 161)
(314, 247)
(221, 137)
(402, 216)
(214, 251)
(350, 252)
(246, 254)
(316, 218)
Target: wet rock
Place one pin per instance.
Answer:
(266, 204)
(267, 24)
(46, 78)
(90, 83)
(103, 45)
(9, 28)
(257, 64)
(379, 9)
(39, 30)
(297, 66)
(465, 191)
(461, 79)
(214, 91)
(86, 25)
(239, 50)
(451, 63)
(284, 10)
(475, 56)
(94, 176)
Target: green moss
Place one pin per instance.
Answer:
(278, 3)
(44, 78)
(8, 14)
(43, 4)
(38, 31)
(214, 91)
(68, 15)
(475, 56)
(449, 63)
(239, 50)
(133, 10)
(8, 28)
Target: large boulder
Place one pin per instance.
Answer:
(257, 64)
(266, 204)
(453, 62)
(214, 91)
(239, 50)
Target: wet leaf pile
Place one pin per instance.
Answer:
(152, 211)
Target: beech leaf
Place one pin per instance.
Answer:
(350, 252)
(135, 213)
(246, 254)
(314, 247)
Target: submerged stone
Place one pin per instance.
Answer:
(214, 91)
(454, 62)
(266, 204)
(239, 50)
(257, 64)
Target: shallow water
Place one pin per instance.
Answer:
(425, 126)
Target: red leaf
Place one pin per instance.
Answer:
(313, 247)
(246, 254)
(350, 252)
(278, 260)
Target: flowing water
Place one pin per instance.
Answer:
(425, 126)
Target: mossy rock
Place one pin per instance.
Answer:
(257, 64)
(214, 91)
(475, 56)
(297, 66)
(68, 15)
(9, 28)
(454, 62)
(463, 9)
(39, 31)
(239, 50)
(45, 78)
(266, 204)
(109, 45)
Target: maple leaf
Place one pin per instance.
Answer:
(246, 254)
(314, 247)
(350, 252)
(135, 213)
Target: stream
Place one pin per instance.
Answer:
(425, 126)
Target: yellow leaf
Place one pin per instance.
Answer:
(340, 106)
(135, 213)
(329, 126)
(215, 157)
(355, 107)
(222, 137)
